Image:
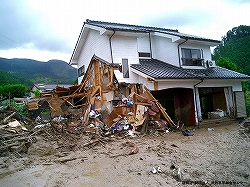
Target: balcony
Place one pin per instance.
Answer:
(192, 61)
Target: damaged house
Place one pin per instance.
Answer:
(175, 67)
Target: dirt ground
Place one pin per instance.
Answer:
(208, 158)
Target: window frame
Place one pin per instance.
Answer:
(125, 68)
(194, 58)
(144, 55)
(81, 71)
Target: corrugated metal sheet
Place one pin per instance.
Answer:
(240, 105)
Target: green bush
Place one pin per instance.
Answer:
(19, 107)
(13, 90)
(37, 93)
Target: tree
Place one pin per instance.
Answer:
(9, 78)
(235, 45)
(13, 90)
(236, 33)
(226, 63)
(37, 93)
(234, 53)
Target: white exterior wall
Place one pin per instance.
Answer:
(125, 47)
(165, 50)
(95, 44)
(206, 53)
(143, 44)
(236, 84)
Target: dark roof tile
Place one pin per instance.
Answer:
(139, 28)
(161, 70)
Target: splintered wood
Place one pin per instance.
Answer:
(100, 91)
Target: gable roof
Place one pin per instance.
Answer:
(161, 70)
(139, 28)
(129, 28)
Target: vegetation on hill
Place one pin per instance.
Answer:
(235, 46)
(7, 78)
(53, 71)
(234, 53)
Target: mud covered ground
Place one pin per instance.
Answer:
(210, 156)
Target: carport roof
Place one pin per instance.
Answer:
(160, 70)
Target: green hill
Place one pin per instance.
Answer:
(235, 45)
(53, 71)
(7, 78)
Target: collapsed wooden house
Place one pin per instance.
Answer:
(101, 92)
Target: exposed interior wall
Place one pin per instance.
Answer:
(212, 99)
(179, 104)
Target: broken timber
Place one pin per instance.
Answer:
(100, 91)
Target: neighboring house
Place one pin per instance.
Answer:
(47, 88)
(176, 67)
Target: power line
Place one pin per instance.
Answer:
(8, 43)
(13, 43)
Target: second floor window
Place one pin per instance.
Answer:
(81, 71)
(191, 57)
(125, 67)
(144, 55)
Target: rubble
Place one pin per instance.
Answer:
(90, 115)
(99, 107)
(245, 127)
(74, 111)
(104, 109)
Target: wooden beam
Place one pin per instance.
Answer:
(156, 87)
(164, 113)
(97, 88)
(97, 80)
(138, 97)
(144, 104)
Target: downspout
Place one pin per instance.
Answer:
(150, 44)
(110, 45)
(179, 51)
(196, 102)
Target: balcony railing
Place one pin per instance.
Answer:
(192, 61)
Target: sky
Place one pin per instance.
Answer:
(48, 29)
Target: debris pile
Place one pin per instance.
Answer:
(14, 135)
(245, 127)
(100, 106)
(106, 115)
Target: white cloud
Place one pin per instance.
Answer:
(50, 28)
(34, 54)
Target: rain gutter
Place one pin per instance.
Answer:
(179, 50)
(110, 45)
(196, 102)
(150, 44)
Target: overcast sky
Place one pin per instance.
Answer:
(48, 29)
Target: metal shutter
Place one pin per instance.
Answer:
(240, 105)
